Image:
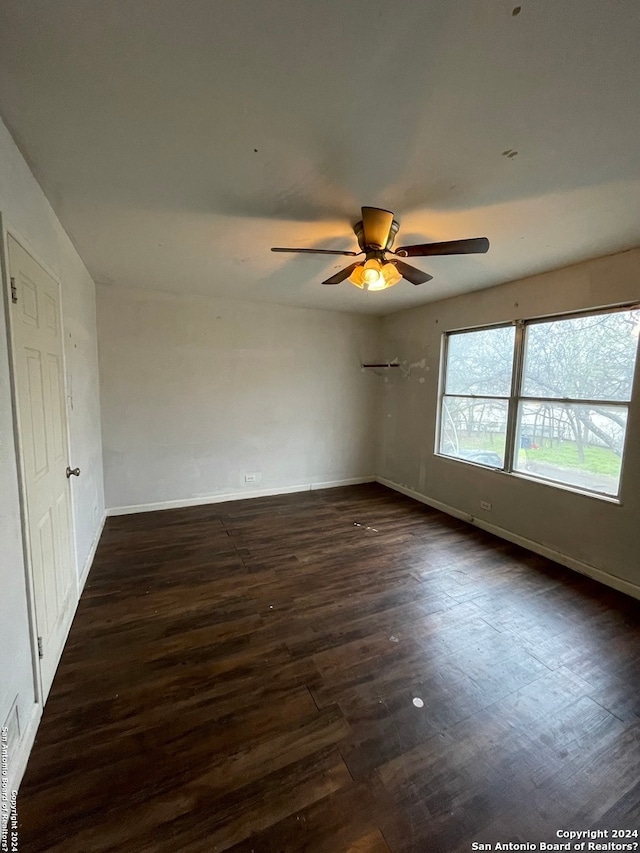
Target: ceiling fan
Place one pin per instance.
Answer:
(376, 232)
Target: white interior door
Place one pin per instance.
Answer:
(42, 423)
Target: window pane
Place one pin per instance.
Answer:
(573, 444)
(480, 362)
(588, 358)
(474, 430)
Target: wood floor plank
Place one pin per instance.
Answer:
(346, 820)
(241, 677)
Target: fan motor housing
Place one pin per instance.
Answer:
(359, 232)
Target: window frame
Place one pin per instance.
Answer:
(442, 394)
(516, 398)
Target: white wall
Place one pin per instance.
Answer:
(28, 215)
(589, 533)
(198, 392)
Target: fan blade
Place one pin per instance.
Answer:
(477, 245)
(412, 274)
(340, 276)
(376, 224)
(318, 251)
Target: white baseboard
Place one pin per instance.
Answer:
(570, 562)
(19, 763)
(334, 484)
(90, 556)
(237, 496)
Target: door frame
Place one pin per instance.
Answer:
(8, 229)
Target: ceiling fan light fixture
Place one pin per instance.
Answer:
(372, 274)
(390, 274)
(357, 276)
(379, 284)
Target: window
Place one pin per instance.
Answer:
(546, 399)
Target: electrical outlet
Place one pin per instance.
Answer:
(485, 505)
(252, 478)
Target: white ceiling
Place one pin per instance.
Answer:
(178, 140)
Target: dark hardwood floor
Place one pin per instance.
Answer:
(241, 677)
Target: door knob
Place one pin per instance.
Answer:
(74, 471)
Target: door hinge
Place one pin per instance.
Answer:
(40, 652)
(14, 290)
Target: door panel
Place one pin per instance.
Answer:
(39, 378)
(62, 545)
(29, 292)
(44, 574)
(58, 449)
(37, 460)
